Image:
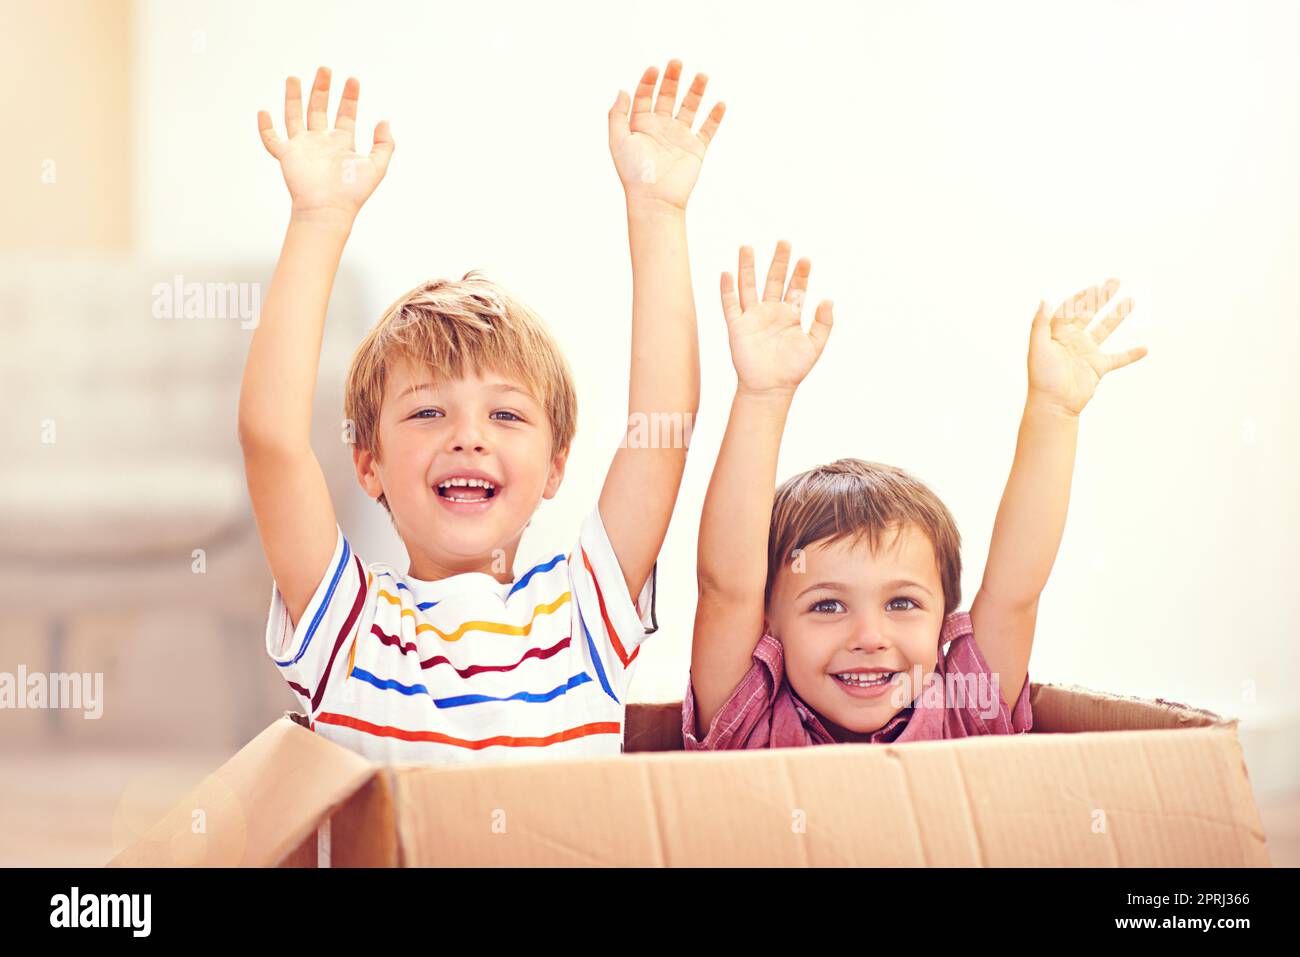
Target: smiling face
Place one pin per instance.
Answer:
(854, 622)
(465, 463)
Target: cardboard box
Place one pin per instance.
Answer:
(1101, 781)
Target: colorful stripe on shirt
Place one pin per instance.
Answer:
(390, 684)
(435, 737)
(493, 627)
(409, 648)
(320, 609)
(344, 631)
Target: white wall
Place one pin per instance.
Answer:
(945, 165)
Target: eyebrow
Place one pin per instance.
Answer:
(838, 586)
(499, 387)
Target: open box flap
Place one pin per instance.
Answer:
(1071, 708)
(1056, 708)
(257, 807)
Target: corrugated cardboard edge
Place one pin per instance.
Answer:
(291, 776)
(1072, 709)
(363, 832)
(657, 726)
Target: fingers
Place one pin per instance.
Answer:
(346, 118)
(645, 91)
(798, 286)
(382, 150)
(668, 89)
(663, 103)
(292, 106)
(1109, 324)
(776, 272)
(820, 330)
(1079, 309)
(711, 123)
(318, 104)
(1119, 360)
(731, 310)
(274, 145)
(618, 117)
(691, 102)
(748, 296)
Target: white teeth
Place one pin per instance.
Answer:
(468, 482)
(865, 680)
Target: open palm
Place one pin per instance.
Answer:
(1065, 357)
(656, 153)
(769, 348)
(321, 166)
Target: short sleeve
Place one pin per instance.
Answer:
(735, 721)
(308, 655)
(609, 623)
(758, 713)
(977, 703)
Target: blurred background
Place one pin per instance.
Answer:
(945, 166)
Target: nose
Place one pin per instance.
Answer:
(466, 435)
(867, 635)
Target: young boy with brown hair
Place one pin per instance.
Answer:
(828, 613)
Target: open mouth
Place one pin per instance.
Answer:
(865, 684)
(466, 490)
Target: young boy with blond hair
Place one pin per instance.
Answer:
(464, 412)
(828, 610)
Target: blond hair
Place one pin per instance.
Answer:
(851, 497)
(454, 328)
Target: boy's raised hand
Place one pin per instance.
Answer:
(321, 167)
(769, 348)
(1065, 357)
(656, 154)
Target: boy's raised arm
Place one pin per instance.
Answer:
(658, 159)
(772, 354)
(328, 182)
(1065, 365)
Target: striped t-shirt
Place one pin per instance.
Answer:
(467, 669)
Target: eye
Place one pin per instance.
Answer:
(432, 413)
(827, 606)
(910, 604)
(513, 417)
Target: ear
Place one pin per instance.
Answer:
(365, 463)
(556, 475)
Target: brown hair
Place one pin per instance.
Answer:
(851, 497)
(452, 328)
